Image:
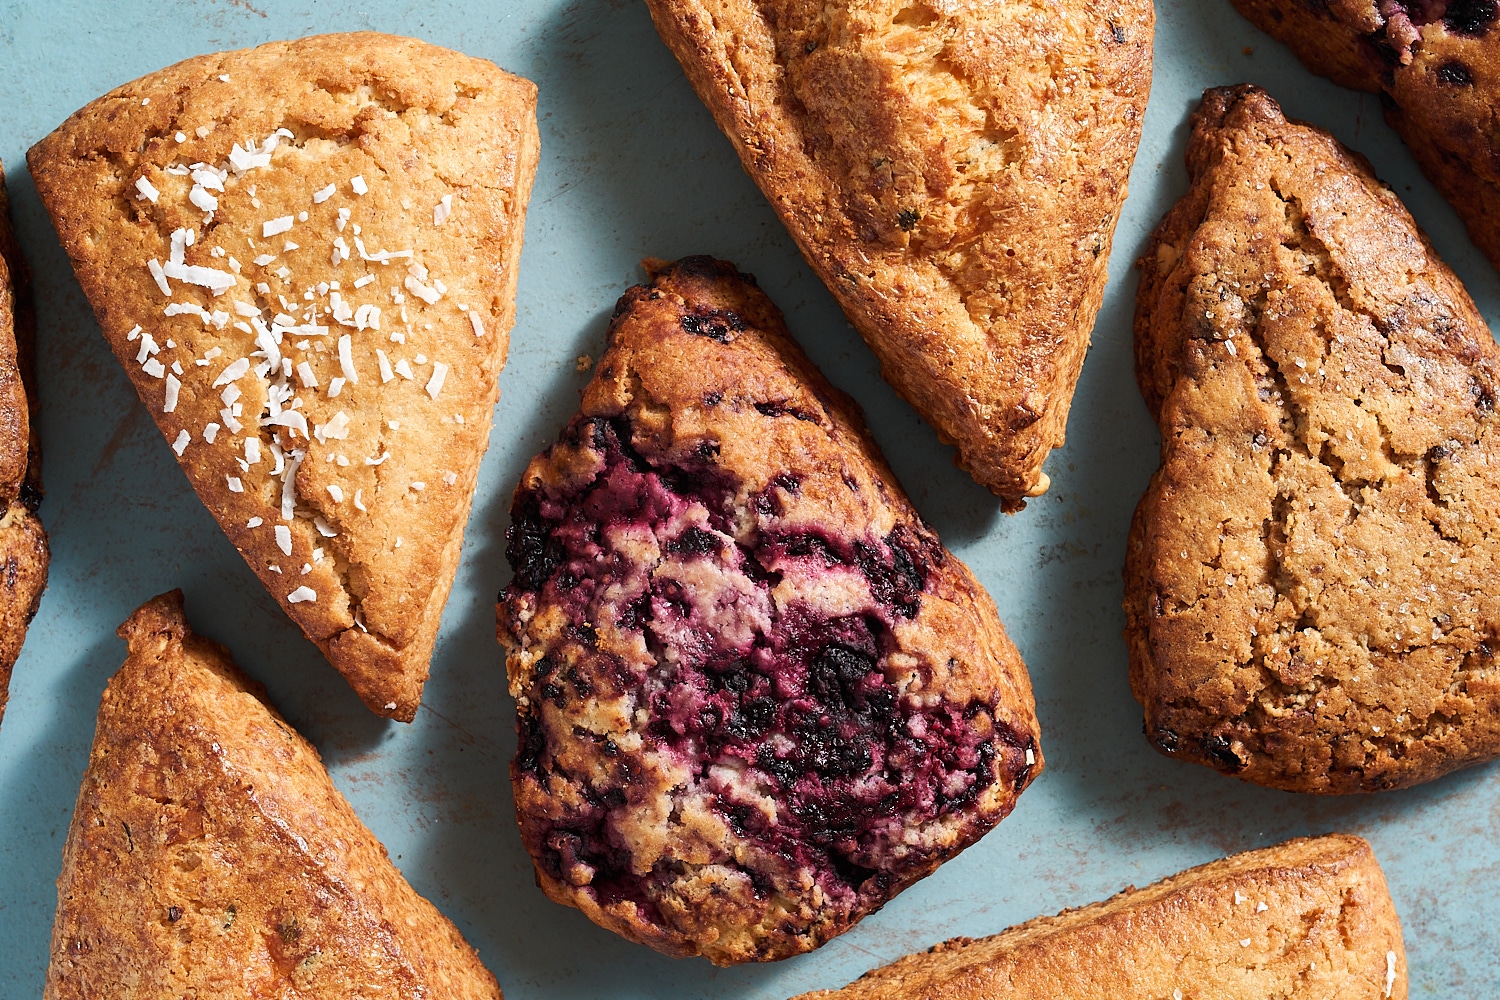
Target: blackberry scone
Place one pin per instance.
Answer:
(757, 698)
(1311, 579)
(210, 855)
(304, 255)
(24, 555)
(1436, 65)
(953, 171)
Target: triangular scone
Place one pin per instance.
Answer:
(1313, 576)
(1310, 919)
(757, 697)
(305, 256)
(23, 544)
(211, 856)
(1436, 66)
(953, 171)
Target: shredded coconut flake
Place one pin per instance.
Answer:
(435, 384)
(301, 594)
(326, 530)
(305, 373)
(324, 194)
(154, 368)
(233, 373)
(385, 365)
(147, 190)
(357, 182)
(235, 486)
(180, 445)
(275, 227)
(359, 501)
(284, 539)
(169, 402)
(335, 386)
(335, 491)
(210, 432)
(475, 323)
(154, 266)
(442, 210)
(254, 522)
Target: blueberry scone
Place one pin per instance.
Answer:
(24, 555)
(305, 256)
(211, 856)
(1311, 585)
(1436, 65)
(757, 697)
(953, 171)
(1310, 919)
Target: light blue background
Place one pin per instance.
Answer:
(632, 166)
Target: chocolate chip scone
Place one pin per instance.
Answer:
(305, 255)
(757, 697)
(24, 555)
(1311, 580)
(210, 855)
(1436, 65)
(953, 171)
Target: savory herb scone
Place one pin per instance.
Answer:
(1436, 66)
(211, 856)
(305, 255)
(1313, 576)
(757, 697)
(953, 172)
(1310, 919)
(24, 555)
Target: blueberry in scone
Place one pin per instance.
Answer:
(1310, 584)
(1436, 65)
(953, 170)
(757, 697)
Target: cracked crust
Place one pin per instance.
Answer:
(416, 124)
(757, 698)
(210, 854)
(24, 554)
(1310, 577)
(1310, 918)
(1436, 66)
(953, 172)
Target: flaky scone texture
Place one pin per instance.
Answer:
(211, 856)
(305, 256)
(1437, 66)
(757, 697)
(24, 554)
(1311, 579)
(1309, 919)
(953, 171)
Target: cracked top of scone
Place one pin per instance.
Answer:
(953, 171)
(1311, 580)
(757, 697)
(305, 254)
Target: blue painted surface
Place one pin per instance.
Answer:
(633, 166)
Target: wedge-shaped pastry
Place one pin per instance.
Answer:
(757, 697)
(24, 554)
(1311, 581)
(305, 256)
(1436, 63)
(211, 856)
(1310, 919)
(953, 171)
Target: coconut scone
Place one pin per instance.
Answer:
(757, 697)
(24, 555)
(211, 856)
(953, 171)
(1310, 919)
(1436, 65)
(1310, 586)
(305, 256)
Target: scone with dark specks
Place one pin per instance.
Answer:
(757, 697)
(1311, 586)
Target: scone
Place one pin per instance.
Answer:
(953, 171)
(211, 856)
(1311, 585)
(1310, 919)
(305, 256)
(24, 555)
(1436, 66)
(757, 697)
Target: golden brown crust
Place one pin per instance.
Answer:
(1437, 67)
(1310, 919)
(757, 697)
(953, 172)
(1309, 578)
(431, 155)
(210, 854)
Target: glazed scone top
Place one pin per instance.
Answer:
(303, 253)
(954, 172)
(1311, 580)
